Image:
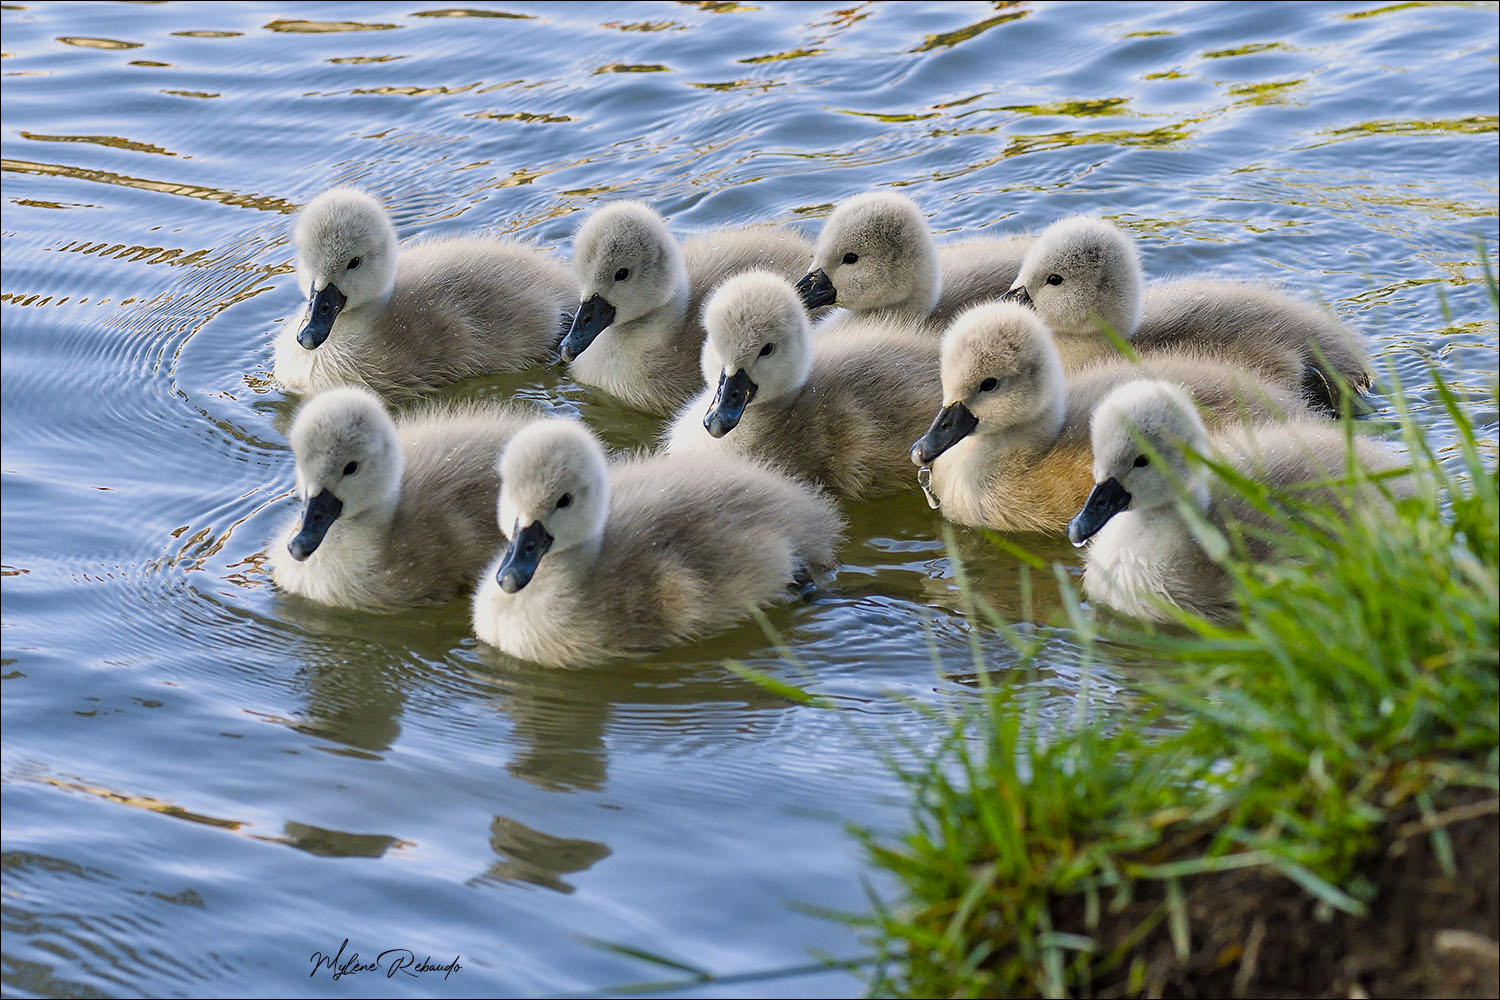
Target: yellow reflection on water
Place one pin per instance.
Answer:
(948, 39)
(779, 56)
(300, 27)
(632, 68)
(96, 43)
(264, 203)
(101, 140)
(472, 12)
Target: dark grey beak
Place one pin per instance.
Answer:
(324, 308)
(1018, 293)
(317, 517)
(724, 413)
(816, 290)
(1105, 500)
(520, 560)
(594, 316)
(950, 426)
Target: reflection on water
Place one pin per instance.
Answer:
(173, 725)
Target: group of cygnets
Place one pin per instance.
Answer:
(1038, 384)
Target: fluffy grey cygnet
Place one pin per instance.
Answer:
(395, 513)
(608, 561)
(639, 329)
(1144, 557)
(403, 320)
(1010, 447)
(839, 409)
(1083, 274)
(876, 252)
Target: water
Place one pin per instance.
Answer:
(205, 783)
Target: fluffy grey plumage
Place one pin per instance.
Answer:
(1146, 557)
(1083, 273)
(644, 554)
(1026, 465)
(648, 356)
(839, 410)
(417, 516)
(419, 316)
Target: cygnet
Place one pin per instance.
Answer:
(1010, 447)
(623, 561)
(638, 333)
(1083, 275)
(1144, 558)
(876, 252)
(404, 320)
(838, 409)
(395, 513)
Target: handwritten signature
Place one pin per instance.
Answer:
(390, 961)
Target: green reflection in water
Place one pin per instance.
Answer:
(887, 118)
(633, 68)
(780, 56)
(948, 39)
(645, 26)
(1396, 8)
(1472, 125)
(300, 27)
(1253, 48)
(1270, 92)
(1098, 108)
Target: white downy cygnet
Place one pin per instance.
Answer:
(639, 330)
(1144, 557)
(838, 409)
(621, 561)
(876, 252)
(1010, 447)
(395, 513)
(403, 320)
(1083, 275)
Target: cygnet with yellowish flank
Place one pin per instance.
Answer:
(639, 332)
(1083, 275)
(404, 320)
(608, 561)
(1010, 447)
(395, 513)
(876, 252)
(1144, 558)
(838, 410)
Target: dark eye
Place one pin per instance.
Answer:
(766, 351)
(565, 500)
(850, 258)
(353, 263)
(1141, 461)
(1054, 279)
(988, 384)
(622, 274)
(351, 468)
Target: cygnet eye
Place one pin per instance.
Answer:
(766, 351)
(351, 468)
(988, 385)
(353, 263)
(1141, 461)
(1054, 279)
(850, 258)
(566, 500)
(622, 274)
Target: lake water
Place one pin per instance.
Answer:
(205, 783)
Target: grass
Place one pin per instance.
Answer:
(1358, 684)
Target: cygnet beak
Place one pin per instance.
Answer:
(816, 290)
(594, 316)
(724, 413)
(317, 517)
(519, 563)
(1018, 293)
(323, 309)
(952, 424)
(1105, 500)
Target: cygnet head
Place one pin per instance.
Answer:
(875, 252)
(627, 265)
(346, 258)
(1082, 272)
(554, 494)
(348, 461)
(758, 345)
(1140, 434)
(1001, 373)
